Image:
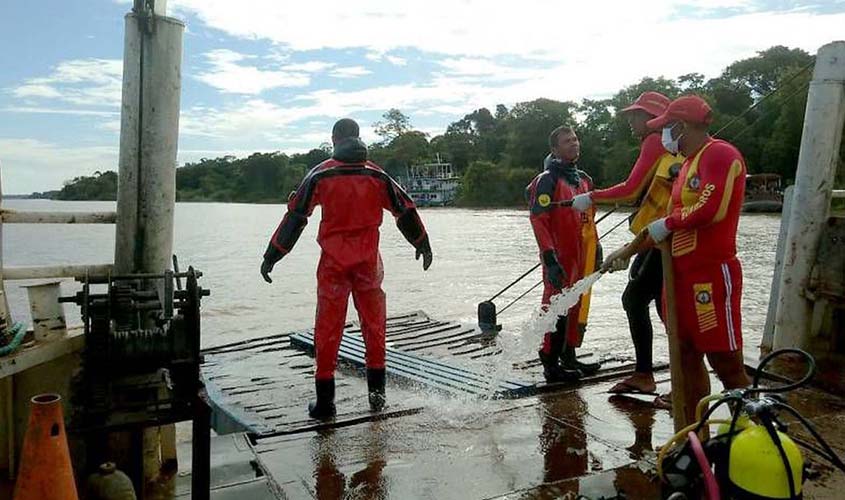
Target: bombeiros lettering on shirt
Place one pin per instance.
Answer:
(702, 200)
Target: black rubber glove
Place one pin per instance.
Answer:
(554, 273)
(424, 250)
(266, 269)
(599, 257)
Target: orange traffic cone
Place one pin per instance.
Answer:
(45, 469)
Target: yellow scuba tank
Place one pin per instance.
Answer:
(757, 469)
(741, 423)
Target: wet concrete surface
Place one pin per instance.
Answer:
(580, 441)
(561, 445)
(576, 441)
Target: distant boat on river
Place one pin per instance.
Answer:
(431, 184)
(763, 193)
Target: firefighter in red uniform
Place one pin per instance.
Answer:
(702, 222)
(649, 185)
(353, 194)
(559, 232)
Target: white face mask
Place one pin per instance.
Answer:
(671, 145)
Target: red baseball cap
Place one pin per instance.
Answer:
(689, 108)
(653, 103)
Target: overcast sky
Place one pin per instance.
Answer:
(268, 75)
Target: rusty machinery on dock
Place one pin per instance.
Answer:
(141, 364)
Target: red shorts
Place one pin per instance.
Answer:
(708, 300)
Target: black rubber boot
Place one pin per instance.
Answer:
(552, 370)
(570, 362)
(375, 385)
(323, 408)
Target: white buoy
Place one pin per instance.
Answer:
(48, 315)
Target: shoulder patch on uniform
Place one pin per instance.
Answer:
(544, 200)
(694, 183)
(544, 191)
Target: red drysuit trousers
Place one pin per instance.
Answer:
(334, 284)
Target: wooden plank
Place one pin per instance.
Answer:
(680, 412)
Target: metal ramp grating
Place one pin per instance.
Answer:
(420, 370)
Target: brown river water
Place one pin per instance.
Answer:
(477, 252)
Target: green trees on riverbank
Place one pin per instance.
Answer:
(99, 186)
(258, 178)
(758, 105)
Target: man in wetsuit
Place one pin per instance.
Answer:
(649, 185)
(560, 231)
(701, 228)
(353, 194)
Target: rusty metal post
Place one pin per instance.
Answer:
(814, 179)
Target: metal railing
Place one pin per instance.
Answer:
(8, 216)
(53, 349)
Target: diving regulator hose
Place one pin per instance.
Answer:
(759, 402)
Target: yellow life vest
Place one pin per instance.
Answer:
(655, 203)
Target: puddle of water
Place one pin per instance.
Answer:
(453, 412)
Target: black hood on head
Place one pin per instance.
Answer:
(350, 150)
(567, 170)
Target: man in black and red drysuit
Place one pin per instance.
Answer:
(353, 193)
(567, 244)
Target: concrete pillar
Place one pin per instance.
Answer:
(817, 161)
(769, 329)
(149, 132)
